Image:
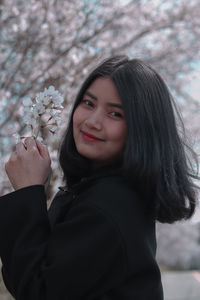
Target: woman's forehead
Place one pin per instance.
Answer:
(103, 87)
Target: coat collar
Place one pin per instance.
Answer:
(98, 173)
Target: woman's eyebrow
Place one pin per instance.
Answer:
(109, 103)
(91, 95)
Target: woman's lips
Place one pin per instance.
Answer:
(89, 137)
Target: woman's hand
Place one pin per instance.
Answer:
(29, 165)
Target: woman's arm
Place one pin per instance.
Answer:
(82, 256)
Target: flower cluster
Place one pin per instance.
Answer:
(49, 100)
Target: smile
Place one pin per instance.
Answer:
(90, 137)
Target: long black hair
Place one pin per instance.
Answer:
(156, 156)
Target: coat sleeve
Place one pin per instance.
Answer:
(80, 257)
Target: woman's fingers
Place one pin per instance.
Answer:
(42, 149)
(20, 147)
(30, 143)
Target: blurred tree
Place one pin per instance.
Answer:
(179, 245)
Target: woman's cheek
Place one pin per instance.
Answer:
(76, 116)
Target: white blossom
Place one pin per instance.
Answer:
(31, 118)
(54, 112)
(57, 120)
(57, 99)
(49, 99)
(27, 102)
(50, 91)
(39, 108)
(54, 128)
(42, 98)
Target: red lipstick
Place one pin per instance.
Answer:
(89, 137)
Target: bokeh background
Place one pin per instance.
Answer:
(57, 42)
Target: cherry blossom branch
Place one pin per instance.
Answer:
(50, 99)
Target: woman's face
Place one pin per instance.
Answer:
(99, 126)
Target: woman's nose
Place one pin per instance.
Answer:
(95, 121)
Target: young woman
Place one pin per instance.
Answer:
(125, 166)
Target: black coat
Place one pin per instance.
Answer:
(96, 242)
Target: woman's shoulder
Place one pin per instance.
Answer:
(113, 194)
(114, 185)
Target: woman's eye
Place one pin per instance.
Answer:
(88, 103)
(116, 114)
